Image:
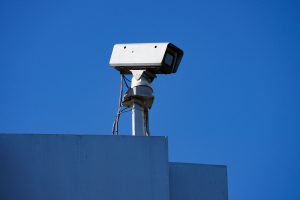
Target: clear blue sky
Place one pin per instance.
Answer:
(235, 99)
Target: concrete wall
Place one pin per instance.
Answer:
(70, 167)
(197, 181)
(94, 167)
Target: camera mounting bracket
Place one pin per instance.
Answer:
(139, 97)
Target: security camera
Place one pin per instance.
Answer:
(158, 58)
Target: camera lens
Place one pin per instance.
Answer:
(169, 59)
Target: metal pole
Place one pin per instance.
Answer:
(138, 120)
(139, 98)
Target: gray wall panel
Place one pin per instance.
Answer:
(198, 182)
(48, 167)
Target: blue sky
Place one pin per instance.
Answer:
(235, 99)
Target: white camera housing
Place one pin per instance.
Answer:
(158, 58)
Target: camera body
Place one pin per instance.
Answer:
(158, 58)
